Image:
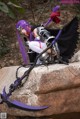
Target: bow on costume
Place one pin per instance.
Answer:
(54, 16)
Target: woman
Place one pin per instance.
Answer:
(32, 35)
(37, 37)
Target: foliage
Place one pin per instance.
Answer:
(4, 48)
(10, 6)
(77, 8)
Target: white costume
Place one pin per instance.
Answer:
(40, 42)
(37, 46)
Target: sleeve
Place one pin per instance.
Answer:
(36, 35)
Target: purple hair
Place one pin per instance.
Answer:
(22, 24)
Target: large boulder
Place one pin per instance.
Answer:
(76, 57)
(56, 86)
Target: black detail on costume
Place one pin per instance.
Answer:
(25, 39)
(32, 55)
(67, 42)
(43, 33)
(33, 27)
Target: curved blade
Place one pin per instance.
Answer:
(4, 92)
(23, 106)
(20, 105)
(4, 95)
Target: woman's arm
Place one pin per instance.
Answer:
(35, 33)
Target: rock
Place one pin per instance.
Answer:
(11, 62)
(56, 86)
(13, 45)
(76, 57)
(11, 117)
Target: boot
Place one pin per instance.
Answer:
(44, 58)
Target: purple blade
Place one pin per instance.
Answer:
(4, 95)
(20, 105)
(22, 49)
(4, 92)
(26, 107)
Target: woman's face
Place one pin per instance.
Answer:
(24, 32)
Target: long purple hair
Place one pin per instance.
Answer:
(22, 24)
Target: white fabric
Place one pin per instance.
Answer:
(36, 46)
(39, 61)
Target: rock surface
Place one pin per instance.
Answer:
(57, 86)
(76, 57)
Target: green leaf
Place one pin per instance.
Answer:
(11, 14)
(14, 5)
(18, 8)
(4, 7)
(21, 10)
(15, 1)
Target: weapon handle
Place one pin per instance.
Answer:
(1, 101)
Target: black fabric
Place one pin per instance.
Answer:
(33, 27)
(67, 41)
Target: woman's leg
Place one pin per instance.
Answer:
(37, 47)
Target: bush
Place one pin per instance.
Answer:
(4, 48)
(77, 8)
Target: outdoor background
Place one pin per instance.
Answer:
(35, 12)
